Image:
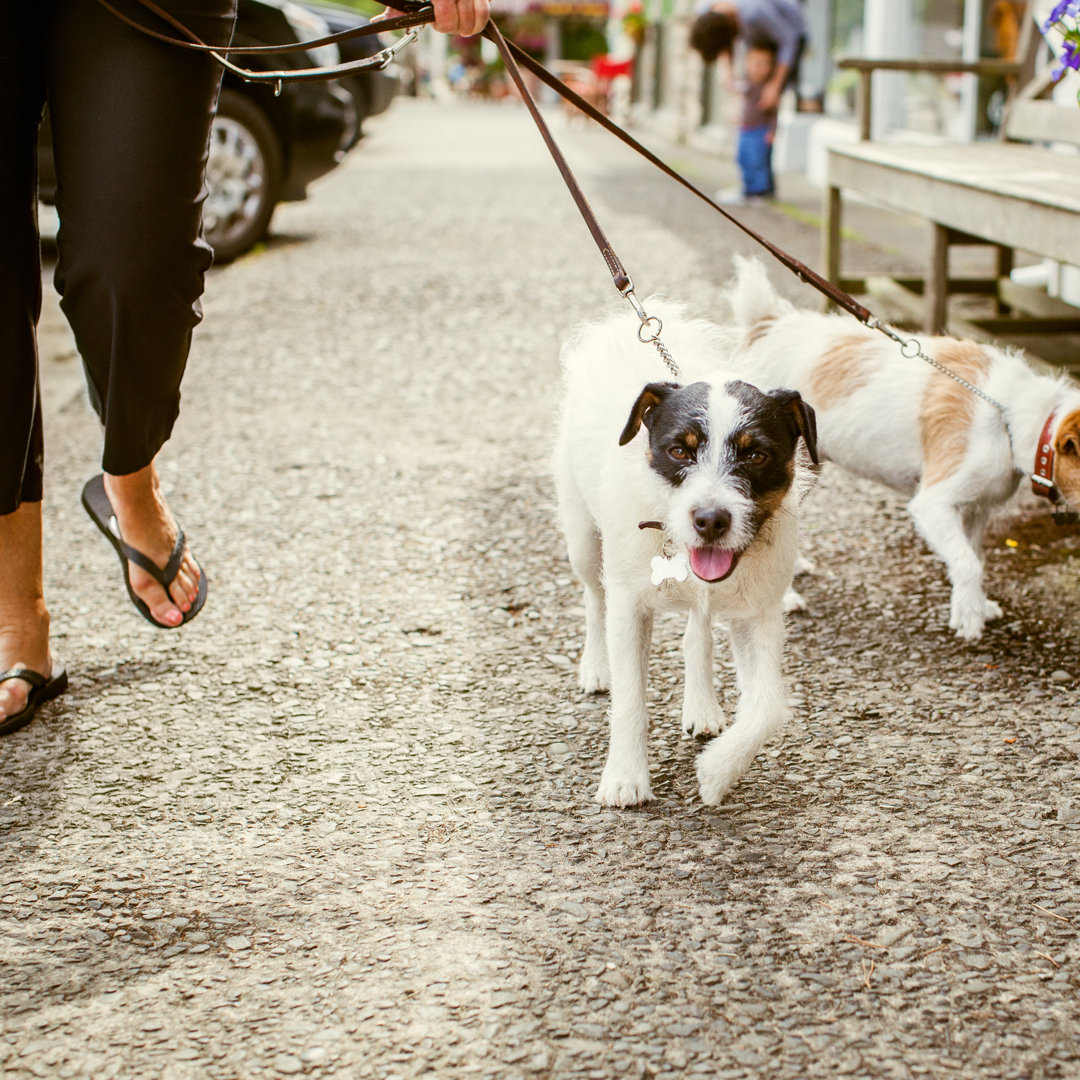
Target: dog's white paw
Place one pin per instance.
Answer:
(968, 621)
(993, 610)
(703, 721)
(594, 676)
(717, 775)
(620, 788)
(793, 601)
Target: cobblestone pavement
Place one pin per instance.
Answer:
(342, 825)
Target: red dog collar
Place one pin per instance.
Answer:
(1042, 479)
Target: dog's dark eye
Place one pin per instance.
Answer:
(756, 456)
(680, 453)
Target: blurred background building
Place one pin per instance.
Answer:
(633, 55)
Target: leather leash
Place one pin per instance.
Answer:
(1041, 476)
(799, 269)
(418, 13)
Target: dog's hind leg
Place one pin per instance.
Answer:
(975, 522)
(793, 600)
(757, 645)
(702, 715)
(584, 549)
(941, 524)
(625, 779)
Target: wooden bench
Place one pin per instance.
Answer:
(1015, 193)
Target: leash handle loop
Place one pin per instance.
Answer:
(417, 15)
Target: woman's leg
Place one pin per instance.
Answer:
(131, 122)
(24, 621)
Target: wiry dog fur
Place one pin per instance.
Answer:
(720, 464)
(897, 420)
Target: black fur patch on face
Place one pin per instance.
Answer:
(677, 421)
(762, 448)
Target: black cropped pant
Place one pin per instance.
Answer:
(131, 123)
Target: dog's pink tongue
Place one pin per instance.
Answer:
(711, 564)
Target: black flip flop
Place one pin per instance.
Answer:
(101, 512)
(41, 690)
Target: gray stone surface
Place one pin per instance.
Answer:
(342, 825)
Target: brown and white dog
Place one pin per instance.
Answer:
(898, 421)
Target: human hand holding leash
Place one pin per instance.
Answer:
(462, 17)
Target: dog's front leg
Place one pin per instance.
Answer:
(942, 526)
(625, 779)
(757, 645)
(702, 715)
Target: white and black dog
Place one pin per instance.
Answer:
(714, 467)
(896, 420)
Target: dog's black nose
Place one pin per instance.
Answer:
(712, 524)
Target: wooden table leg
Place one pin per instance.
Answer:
(937, 280)
(830, 236)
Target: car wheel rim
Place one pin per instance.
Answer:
(236, 175)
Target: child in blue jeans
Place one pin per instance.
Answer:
(757, 127)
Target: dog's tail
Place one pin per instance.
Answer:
(751, 295)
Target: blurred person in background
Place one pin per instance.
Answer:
(782, 22)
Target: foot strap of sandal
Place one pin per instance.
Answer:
(163, 576)
(34, 678)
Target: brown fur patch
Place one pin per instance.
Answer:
(842, 370)
(773, 501)
(1067, 458)
(948, 407)
(758, 330)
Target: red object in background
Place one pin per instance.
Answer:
(606, 69)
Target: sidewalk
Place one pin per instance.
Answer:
(342, 825)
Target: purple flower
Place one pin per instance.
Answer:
(1062, 9)
(1070, 58)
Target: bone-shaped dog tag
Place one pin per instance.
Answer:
(675, 568)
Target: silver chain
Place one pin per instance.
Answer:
(649, 332)
(911, 348)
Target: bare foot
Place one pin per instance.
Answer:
(146, 524)
(22, 647)
(24, 620)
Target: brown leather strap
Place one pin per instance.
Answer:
(419, 15)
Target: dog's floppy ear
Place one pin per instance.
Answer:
(647, 400)
(802, 417)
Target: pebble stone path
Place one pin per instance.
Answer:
(342, 825)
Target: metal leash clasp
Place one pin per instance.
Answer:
(384, 57)
(650, 329)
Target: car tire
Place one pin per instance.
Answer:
(243, 175)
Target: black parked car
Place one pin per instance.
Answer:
(265, 147)
(373, 91)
